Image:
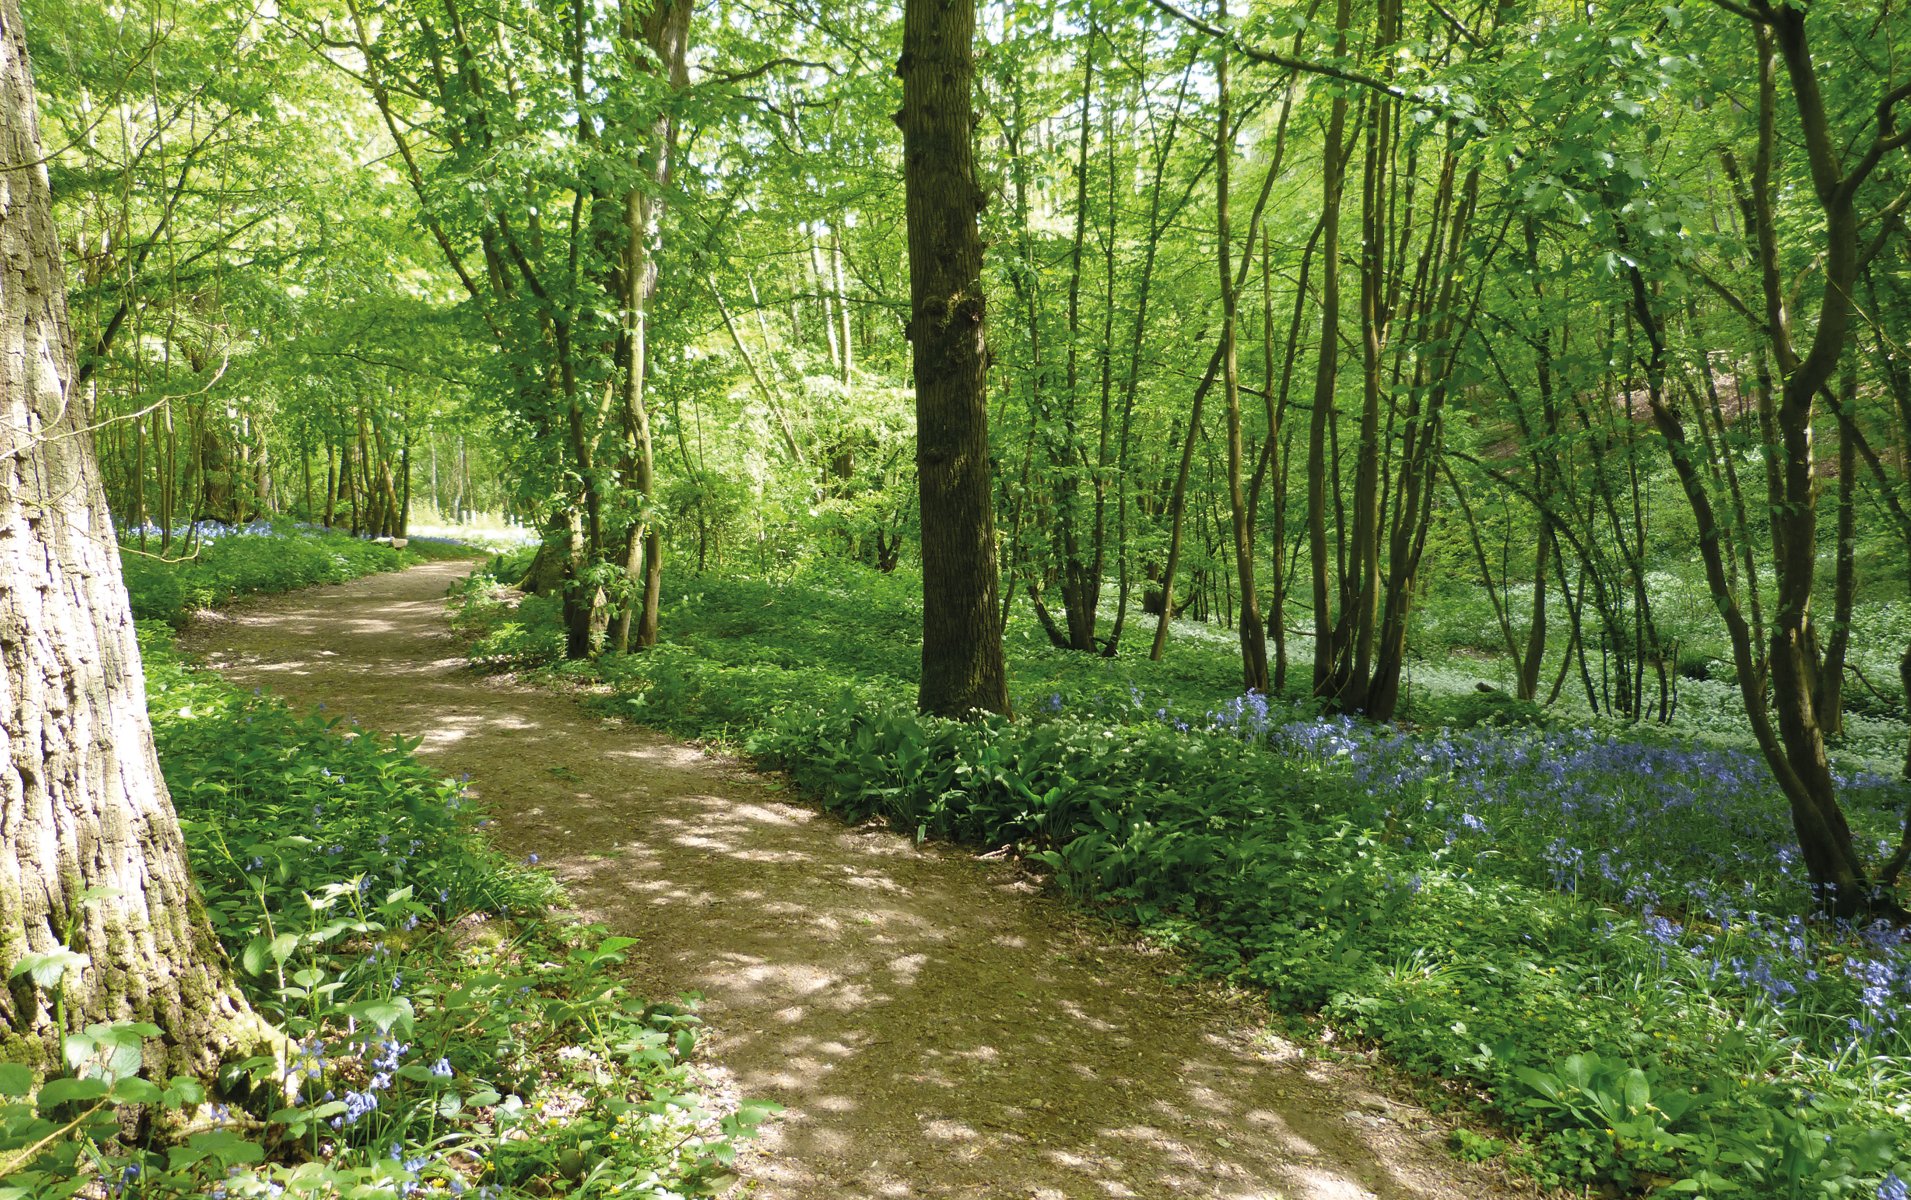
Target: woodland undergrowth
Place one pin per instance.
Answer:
(447, 1035)
(1602, 943)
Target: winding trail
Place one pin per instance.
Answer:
(934, 1027)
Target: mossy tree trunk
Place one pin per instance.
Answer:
(91, 856)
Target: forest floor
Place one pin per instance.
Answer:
(934, 1026)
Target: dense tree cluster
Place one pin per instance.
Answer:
(1295, 310)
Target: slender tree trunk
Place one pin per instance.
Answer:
(1797, 752)
(1177, 508)
(665, 32)
(91, 856)
(1326, 376)
(1081, 584)
(331, 482)
(1830, 700)
(962, 665)
(305, 471)
(1535, 655)
(404, 495)
(1132, 378)
(1253, 632)
(842, 312)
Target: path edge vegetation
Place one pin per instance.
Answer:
(429, 943)
(1258, 840)
(98, 879)
(129, 1026)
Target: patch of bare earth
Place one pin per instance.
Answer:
(933, 1027)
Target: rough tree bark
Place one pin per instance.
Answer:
(82, 804)
(962, 666)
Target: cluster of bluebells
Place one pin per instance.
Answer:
(411, 1166)
(211, 531)
(1693, 840)
(379, 1056)
(200, 531)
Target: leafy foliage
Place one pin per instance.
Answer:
(1605, 941)
(227, 563)
(442, 1035)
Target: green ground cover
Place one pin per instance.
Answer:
(445, 1034)
(1601, 938)
(218, 564)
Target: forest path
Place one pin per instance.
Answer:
(934, 1028)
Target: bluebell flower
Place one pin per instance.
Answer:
(1663, 931)
(358, 1105)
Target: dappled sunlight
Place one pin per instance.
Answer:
(933, 1027)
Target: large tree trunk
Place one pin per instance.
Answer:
(82, 805)
(962, 666)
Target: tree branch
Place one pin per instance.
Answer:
(1277, 58)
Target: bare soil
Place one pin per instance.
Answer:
(934, 1026)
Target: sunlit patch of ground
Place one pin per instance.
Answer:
(934, 1027)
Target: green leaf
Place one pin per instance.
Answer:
(67, 1090)
(226, 1146)
(134, 1090)
(114, 1050)
(47, 969)
(182, 1091)
(1539, 1081)
(1638, 1090)
(253, 957)
(1578, 1069)
(15, 1079)
(385, 1014)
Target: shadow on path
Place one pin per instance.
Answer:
(934, 1029)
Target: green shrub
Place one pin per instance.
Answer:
(1488, 907)
(434, 1016)
(1471, 710)
(260, 559)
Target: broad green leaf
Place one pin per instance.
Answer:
(47, 969)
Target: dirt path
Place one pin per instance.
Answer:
(934, 1029)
